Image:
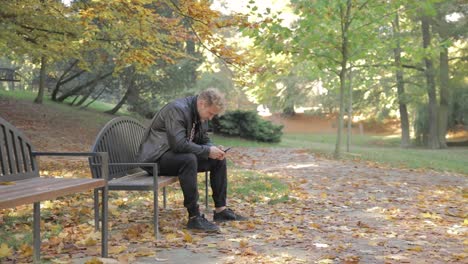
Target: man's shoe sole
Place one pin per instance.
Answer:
(203, 230)
(230, 220)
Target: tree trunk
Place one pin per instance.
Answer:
(122, 101)
(81, 87)
(95, 98)
(87, 95)
(345, 22)
(61, 80)
(404, 123)
(433, 139)
(42, 79)
(350, 113)
(74, 100)
(444, 97)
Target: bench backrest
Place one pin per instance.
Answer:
(16, 160)
(120, 138)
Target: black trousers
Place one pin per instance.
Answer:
(186, 166)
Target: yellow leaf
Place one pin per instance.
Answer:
(243, 243)
(324, 195)
(315, 225)
(417, 249)
(465, 222)
(187, 237)
(94, 261)
(117, 250)
(326, 261)
(7, 183)
(26, 250)
(89, 242)
(5, 251)
(211, 245)
(171, 237)
(64, 260)
(430, 215)
(144, 252)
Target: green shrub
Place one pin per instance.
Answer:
(247, 124)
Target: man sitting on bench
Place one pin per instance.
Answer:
(178, 141)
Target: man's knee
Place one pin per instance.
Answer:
(190, 160)
(220, 163)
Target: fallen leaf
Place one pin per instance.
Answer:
(326, 261)
(94, 261)
(26, 250)
(117, 250)
(5, 251)
(187, 237)
(320, 245)
(7, 183)
(243, 243)
(416, 249)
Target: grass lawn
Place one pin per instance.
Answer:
(97, 106)
(380, 149)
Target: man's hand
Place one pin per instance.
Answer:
(216, 153)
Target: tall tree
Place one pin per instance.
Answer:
(404, 121)
(448, 32)
(39, 29)
(433, 138)
(331, 34)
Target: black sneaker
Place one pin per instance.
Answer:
(227, 215)
(200, 223)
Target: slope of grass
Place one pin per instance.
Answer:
(97, 106)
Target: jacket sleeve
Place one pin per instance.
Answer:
(176, 129)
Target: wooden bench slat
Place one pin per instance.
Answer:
(3, 161)
(9, 150)
(140, 182)
(39, 189)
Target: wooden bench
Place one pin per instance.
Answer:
(20, 182)
(120, 138)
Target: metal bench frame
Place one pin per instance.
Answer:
(22, 184)
(121, 138)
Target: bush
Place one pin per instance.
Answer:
(247, 124)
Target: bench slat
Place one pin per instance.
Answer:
(39, 189)
(140, 181)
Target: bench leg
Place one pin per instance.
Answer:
(156, 204)
(105, 221)
(164, 198)
(96, 210)
(206, 192)
(37, 232)
(156, 214)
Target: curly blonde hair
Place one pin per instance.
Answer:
(213, 96)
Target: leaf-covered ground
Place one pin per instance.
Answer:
(332, 212)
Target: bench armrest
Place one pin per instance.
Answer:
(102, 155)
(153, 165)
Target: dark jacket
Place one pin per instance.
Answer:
(170, 130)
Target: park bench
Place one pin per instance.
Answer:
(120, 138)
(20, 182)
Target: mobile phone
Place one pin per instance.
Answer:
(226, 150)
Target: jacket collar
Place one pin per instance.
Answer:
(195, 116)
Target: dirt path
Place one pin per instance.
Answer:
(343, 213)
